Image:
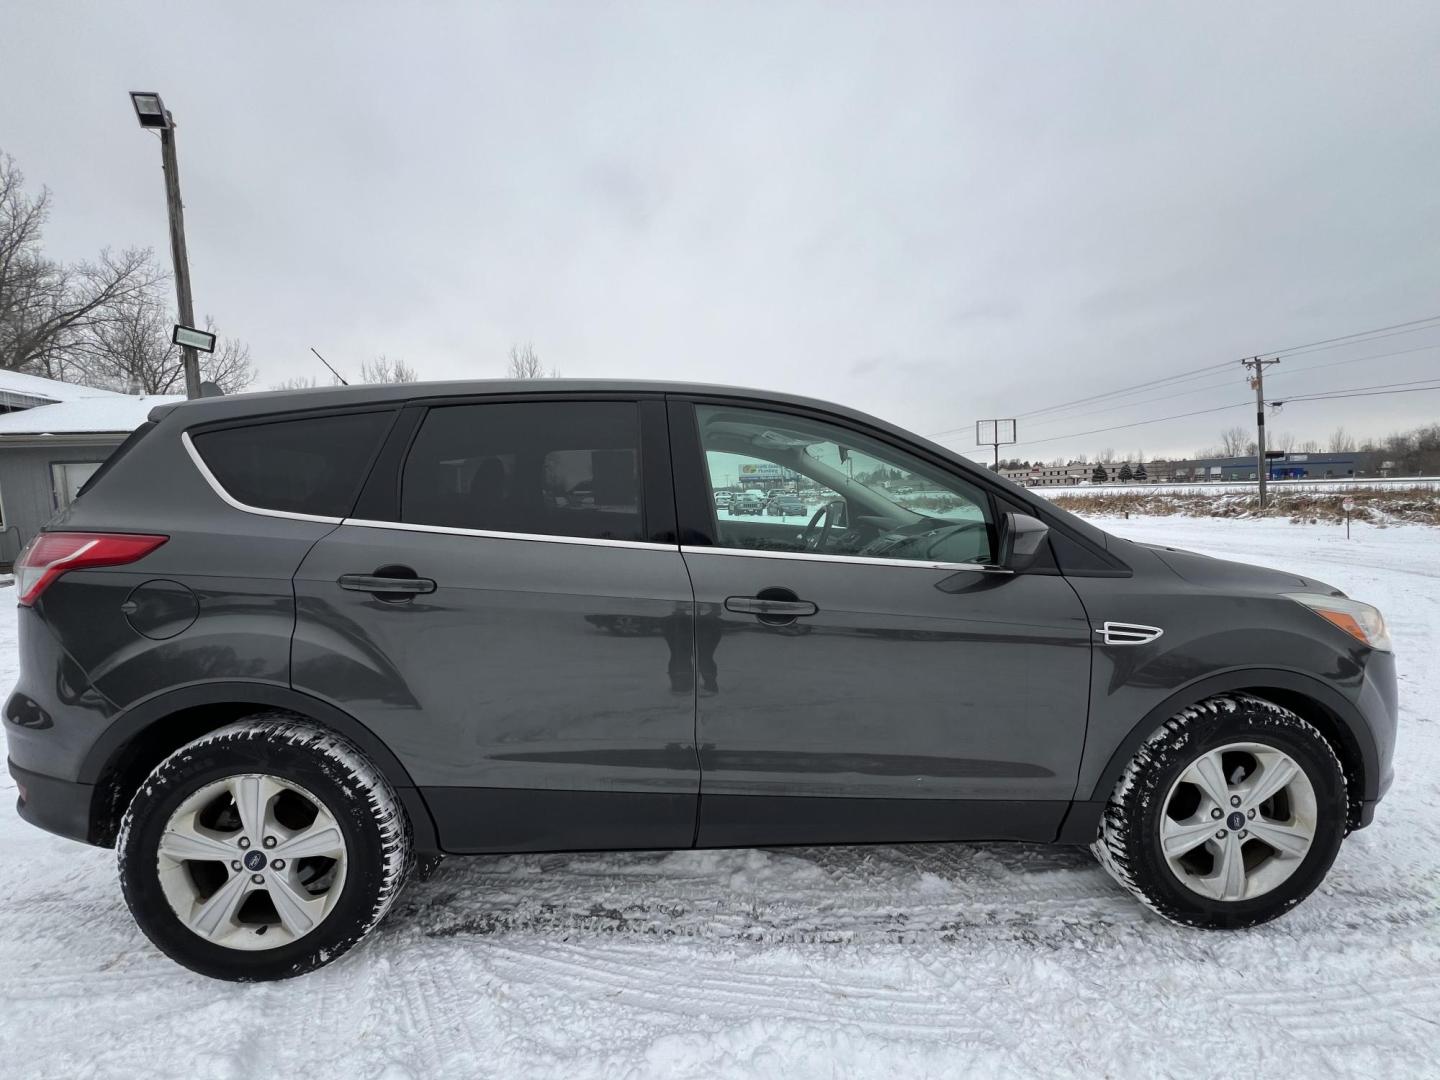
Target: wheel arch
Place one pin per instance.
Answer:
(144, 735)
(1326, 708)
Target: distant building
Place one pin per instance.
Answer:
(1344, 465)
(1291, 466)
(1050, 475)
(53, 436)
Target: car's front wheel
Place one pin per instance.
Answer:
(1228, 816)
(262, 850)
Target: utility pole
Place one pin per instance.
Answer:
(1257, 381)
(177, 253)
(152, 114)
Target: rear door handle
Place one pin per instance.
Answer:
(756, 605)
(387, 586)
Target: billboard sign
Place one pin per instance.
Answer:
(761, 471)
(994, 432)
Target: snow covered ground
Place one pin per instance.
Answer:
(929, 960)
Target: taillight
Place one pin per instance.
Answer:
(54, 553)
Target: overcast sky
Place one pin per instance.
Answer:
(934, 213)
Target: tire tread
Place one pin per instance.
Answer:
(287, 734)
(1116, 838)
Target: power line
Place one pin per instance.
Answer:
(1330, 395)
(1094, 401)
(1280, 374)
(1358, 359)
(1137, 423)
(1228, 382)
(1373, 393)
(1346, 391)
(1347, 337)
(1175, 380)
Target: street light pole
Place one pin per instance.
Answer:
(153, 114)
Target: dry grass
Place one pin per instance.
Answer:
(1377, 506)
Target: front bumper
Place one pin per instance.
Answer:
(57, 806)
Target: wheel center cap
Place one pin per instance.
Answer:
(254, 860)
(1236, 821)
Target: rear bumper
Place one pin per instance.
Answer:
(58, 806)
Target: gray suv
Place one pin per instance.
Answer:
(285, 647)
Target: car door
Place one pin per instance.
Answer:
(866, 672)
(508, 609)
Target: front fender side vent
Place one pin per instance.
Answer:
(1124, 633)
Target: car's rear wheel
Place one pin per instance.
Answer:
(1228, 816)
(262, 850)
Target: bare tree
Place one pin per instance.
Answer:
(1234, 441)
(384, 370)
(1284, 440)
(1341, 441)
(299, 382)
(525, 364)
(46, 305)
(1310, 446)
(228, 367)
(128, 348)
(1107, 455)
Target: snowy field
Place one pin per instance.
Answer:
(933, 960)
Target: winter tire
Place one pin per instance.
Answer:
(263, 850)
(1228, 816)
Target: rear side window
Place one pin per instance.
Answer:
(311, 466)
(548, 468)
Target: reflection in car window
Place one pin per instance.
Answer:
(550, 469)
(796, 484)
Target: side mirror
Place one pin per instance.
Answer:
(1021, 537)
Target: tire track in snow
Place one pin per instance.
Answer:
(721, 992)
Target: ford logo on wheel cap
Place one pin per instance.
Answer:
(254, 860)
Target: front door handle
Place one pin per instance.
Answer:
(387, 587)
(759, 605)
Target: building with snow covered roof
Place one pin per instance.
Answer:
(53, 436)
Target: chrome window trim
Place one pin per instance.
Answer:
(231, 501)
(857, 560)
(488, 534)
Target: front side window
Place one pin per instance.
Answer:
(309, 466)
(543, 468)
(807, 486)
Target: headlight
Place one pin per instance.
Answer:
(1356, 619)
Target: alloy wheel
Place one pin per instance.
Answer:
(1238, 821)
(252, 862)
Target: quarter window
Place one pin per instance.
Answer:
(540, 468)
(310, 466)
(808, 486)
